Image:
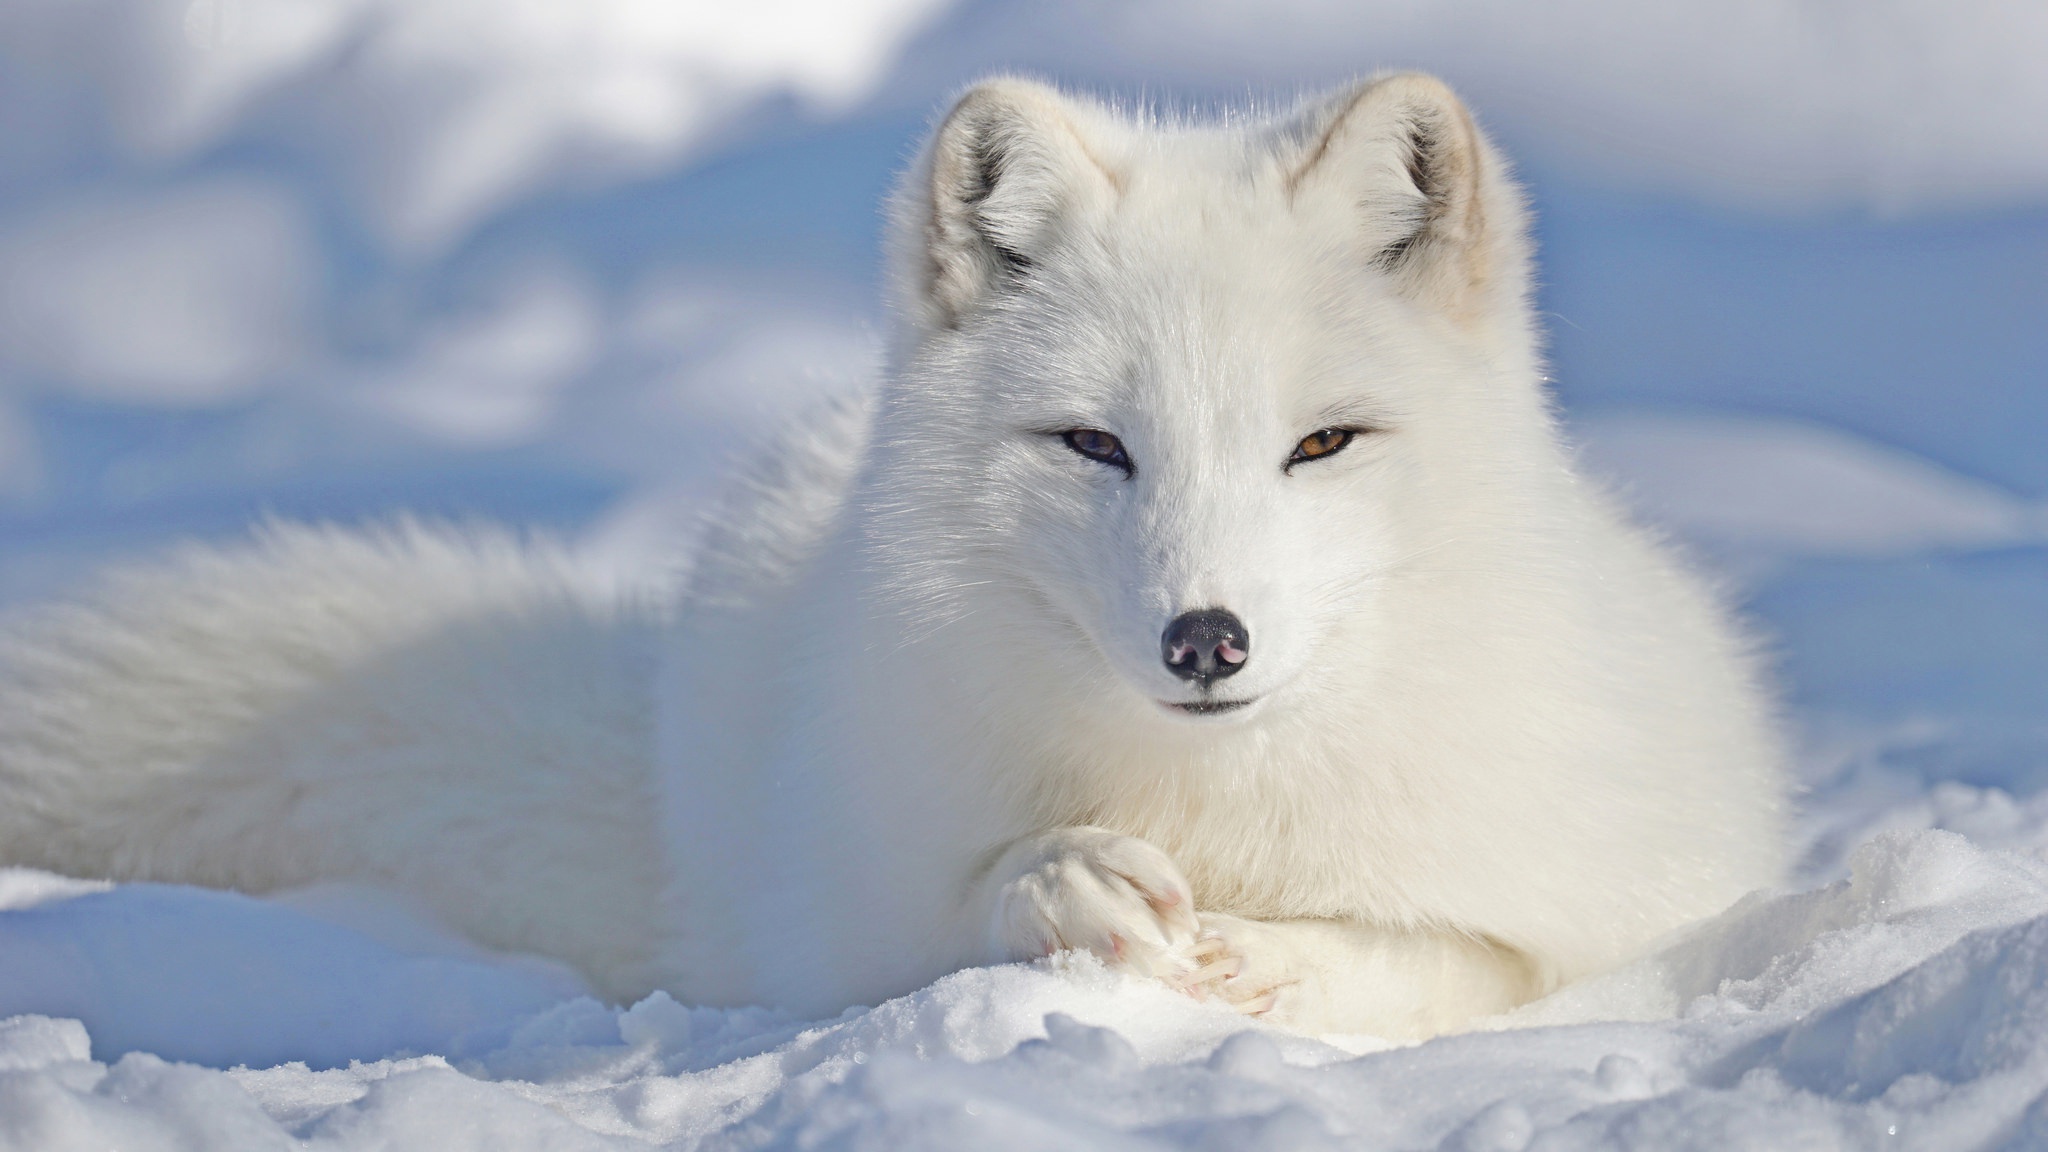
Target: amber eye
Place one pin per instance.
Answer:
(1320, 443)
(1096, 444)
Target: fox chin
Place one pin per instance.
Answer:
(1207, 584)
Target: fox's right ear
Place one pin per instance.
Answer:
(1007, 169)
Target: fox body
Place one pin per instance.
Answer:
(1206, 585)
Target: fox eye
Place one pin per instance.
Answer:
(1320, 443)
(1096, 444)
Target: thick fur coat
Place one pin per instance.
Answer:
(931, 698)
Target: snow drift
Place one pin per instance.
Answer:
(1906, 1002)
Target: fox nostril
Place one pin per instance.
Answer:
(1206, 645)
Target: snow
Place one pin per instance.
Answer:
(1908, 997)
(219, 978)
(186, 298)
(445, 109)
(554, 263)
(1778, 487)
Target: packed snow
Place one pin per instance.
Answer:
(554, 263)
(1907, 999)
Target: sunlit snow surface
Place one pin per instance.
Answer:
(1907, 999)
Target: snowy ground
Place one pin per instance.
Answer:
(1903, 1005)
(553, 263)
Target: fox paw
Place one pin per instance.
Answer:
(1244, 964)
(1089, 888)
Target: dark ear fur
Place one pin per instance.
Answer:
(1007, 168)
(1400, 159)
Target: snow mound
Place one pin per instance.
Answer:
(217, 978)
(1906, 1002)
(436, 111)
(1789, 488)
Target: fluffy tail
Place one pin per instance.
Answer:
(453, 715)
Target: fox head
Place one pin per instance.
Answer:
(1185, 420)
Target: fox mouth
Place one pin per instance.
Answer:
(1210, 707)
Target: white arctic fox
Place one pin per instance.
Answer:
(1207, 586)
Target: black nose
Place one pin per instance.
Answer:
(1206, 645)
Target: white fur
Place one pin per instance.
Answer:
(910, 713)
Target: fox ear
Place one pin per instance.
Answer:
(1398, 163)
(1007, 169)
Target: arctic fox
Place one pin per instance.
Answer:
(1206, 586)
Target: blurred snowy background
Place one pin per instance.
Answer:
(553, 262)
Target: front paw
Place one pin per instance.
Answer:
(1247, 965)
(1089, 888)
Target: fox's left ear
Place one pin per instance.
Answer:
(1397, 166)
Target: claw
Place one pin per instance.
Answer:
(1258, 1005)
(1219, 970)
